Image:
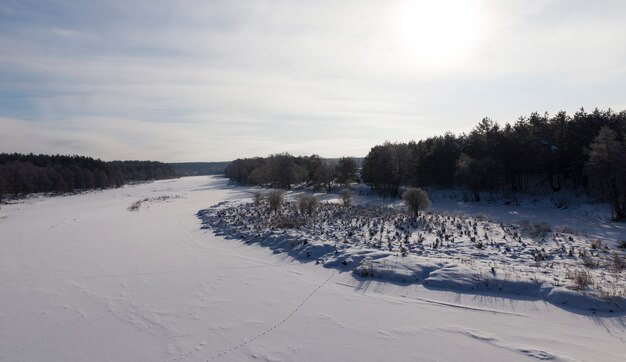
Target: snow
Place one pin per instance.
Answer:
(460, 253)
(83, 278)
(579, 215)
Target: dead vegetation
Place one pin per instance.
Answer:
(275, 200)
(527, 252)
(308, 204)
(581, 279)
(135, 206)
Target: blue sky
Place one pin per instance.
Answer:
(216, 80)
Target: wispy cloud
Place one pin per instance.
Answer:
(198, 80)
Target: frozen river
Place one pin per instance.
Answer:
(82, 278)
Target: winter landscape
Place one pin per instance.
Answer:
(85, 278)
(268, 180)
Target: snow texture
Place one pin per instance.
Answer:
(82, 278)
(451, 252)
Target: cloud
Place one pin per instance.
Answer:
(216, 80)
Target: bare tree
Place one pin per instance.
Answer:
(275, 200)
(308, 204)
(346, 197)
(416, 200)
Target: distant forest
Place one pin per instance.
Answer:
(540, 153)
(284, 170)
(21, 174)
(199, 168)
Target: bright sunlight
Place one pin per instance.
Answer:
(430, 35)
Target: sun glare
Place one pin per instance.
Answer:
(431, 35)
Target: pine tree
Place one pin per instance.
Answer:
(606, 168)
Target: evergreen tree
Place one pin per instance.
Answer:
(607, 170)
(346, 170)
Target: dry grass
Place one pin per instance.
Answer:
(597, 244)
(588, 262)
(581, 278)
(566, 229)
(537, 230)
(617, 263)
(257, 198)
(137, 204)
(287, 223)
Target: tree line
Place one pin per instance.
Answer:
(199, 168)
(539, 153)
(284, 170)
(21, 174)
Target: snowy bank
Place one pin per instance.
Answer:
(448, 252)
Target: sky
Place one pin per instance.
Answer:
(217, 80)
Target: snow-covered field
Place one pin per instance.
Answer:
(91, 278)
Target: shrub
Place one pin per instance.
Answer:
(537, 230)
(596, 244)
(287, 223)
(416, 200)
(346, 197)
(308, 204)
(275, 200)
(582, 279)
(589, 262)
(617, 263)
(257, 198)
(540, 229)
(137, 204)
(566, 229)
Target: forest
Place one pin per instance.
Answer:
(199, 168)
(284, 170)
(584, 152)
(21, 174)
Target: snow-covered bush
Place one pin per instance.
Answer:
(257, 198)
(582, 279)
(346, 197)
(275, 200)
(307, 204)
(416, 200)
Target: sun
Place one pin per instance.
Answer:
(431, 35)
